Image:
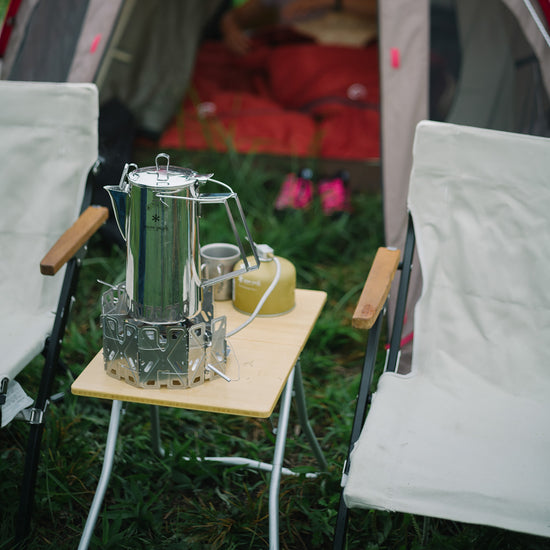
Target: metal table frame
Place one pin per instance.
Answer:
(309, 304)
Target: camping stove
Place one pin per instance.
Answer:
(159, 328)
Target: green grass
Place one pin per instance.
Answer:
(173, 503)
(4, 4)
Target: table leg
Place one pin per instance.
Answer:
(104, 477)
(278, 455)
(299, 396)
(155, 432)
(294, 384)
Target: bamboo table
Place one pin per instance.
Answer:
(264, 368)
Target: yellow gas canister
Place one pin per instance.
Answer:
(249, 288)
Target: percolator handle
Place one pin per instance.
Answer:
(222, 198)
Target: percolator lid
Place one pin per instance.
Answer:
(163, 175)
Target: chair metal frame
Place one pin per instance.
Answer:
(70, 249)
(367, 317)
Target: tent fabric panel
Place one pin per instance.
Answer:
(404, 68)
(24, 12)
(46, 50)
(533, 33)
(101, 17)
(149, 68)
(485, 94)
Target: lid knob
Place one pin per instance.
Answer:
(162, 170)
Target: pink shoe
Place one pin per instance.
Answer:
(296, 192)
(334, 196)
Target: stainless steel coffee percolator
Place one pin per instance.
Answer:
(159, 328)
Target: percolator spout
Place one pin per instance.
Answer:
(119, 199)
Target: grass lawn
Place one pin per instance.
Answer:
(4, 4)
(176, 503)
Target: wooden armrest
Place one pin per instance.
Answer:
(377, 287)
(73, 239)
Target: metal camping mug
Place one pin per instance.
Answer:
(218, 259)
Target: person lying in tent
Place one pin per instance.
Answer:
(305, 15)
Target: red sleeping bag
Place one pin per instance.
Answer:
(299, 99)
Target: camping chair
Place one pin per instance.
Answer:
(464, 436)
(48, 143)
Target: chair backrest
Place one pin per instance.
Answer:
(48, 143)
(480, 201)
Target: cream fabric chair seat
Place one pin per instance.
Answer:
(465, 436)
(468, 464)
(29, 299)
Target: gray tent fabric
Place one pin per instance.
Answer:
(404, 66)
(499, 67)
(531, 21)
(93, 40)
(18, 34)
(532, 48)
(140, 53)
(47, 46)
(485, 91)
(149, 68)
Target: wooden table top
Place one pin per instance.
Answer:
(261, 359)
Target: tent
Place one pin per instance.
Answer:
(134, 51)
(139, 54)
(501, 80)
(142, 54)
